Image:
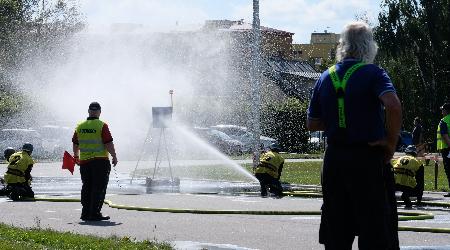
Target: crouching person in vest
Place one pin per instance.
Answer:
(92, 143)
(409, 175)
(18, 176)
(268, 172)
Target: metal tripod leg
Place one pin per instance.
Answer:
(168, 158)
(142, 153)
(157, 153)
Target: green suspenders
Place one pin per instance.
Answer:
(339, 86)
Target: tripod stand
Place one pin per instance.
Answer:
(162, 146)
(162, 139)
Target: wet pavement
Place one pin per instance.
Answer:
(193, 231)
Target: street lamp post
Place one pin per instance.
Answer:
(255, 78)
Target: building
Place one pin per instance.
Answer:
(274, 42)
(228, 95)
(321, 47)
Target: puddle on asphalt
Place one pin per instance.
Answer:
(72, 186)
(190, 245)
(425, 247)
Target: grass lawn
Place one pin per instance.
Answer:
(309, 173)
(36, 238)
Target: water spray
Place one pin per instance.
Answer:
(117, 177)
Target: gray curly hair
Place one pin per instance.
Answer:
(357, 41)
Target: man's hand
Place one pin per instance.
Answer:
(388, 147)
(114, 160)
(77, 159)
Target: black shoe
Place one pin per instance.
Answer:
(100, 217)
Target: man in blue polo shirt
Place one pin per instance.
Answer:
(355, 103)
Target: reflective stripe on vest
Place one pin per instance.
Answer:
(440, 143)
(339, 86)
(90, 141)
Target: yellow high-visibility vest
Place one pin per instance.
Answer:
(405, 169)
(270, 163)
(440, 143)
(18, 164)
(89, 134)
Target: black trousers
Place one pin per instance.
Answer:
(17, 191)
(266, 180)
(358, 199)
(446, 162)
(406, 193)
(95, 178)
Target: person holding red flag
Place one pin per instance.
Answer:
(92, 144)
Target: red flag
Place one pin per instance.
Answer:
(68, 162)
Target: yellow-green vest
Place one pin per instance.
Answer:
(270, 162)
(405, 169)
(90, 142)
(18, 164)
(440, 141)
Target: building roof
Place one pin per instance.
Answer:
(292, 67)
(294, 78)
(240, 25)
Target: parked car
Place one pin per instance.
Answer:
(56, 139)
(243, 135)
(16, 137)
(220, 140)
(316, 140)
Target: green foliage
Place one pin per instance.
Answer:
(17, 238)
(326, 63)
(414, 49)
(29, 30)
(287, 123)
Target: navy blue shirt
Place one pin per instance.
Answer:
(364, 113)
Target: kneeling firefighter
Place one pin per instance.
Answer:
(18, 176)
(409, 176)
(268, 172)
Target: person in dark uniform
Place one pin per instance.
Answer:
(92, 143)
(268, 171)
(417, 133)
(354, 102)
(409, 176)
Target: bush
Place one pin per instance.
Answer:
(286, 122)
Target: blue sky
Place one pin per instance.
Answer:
(301, 17)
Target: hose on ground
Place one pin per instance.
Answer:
(404, 216)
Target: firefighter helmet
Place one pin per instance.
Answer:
(27, 147)
(8, 152)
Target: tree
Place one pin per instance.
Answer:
(29, 29)
(287, 123)
(413, 37)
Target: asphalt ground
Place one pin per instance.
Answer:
(193, 231)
